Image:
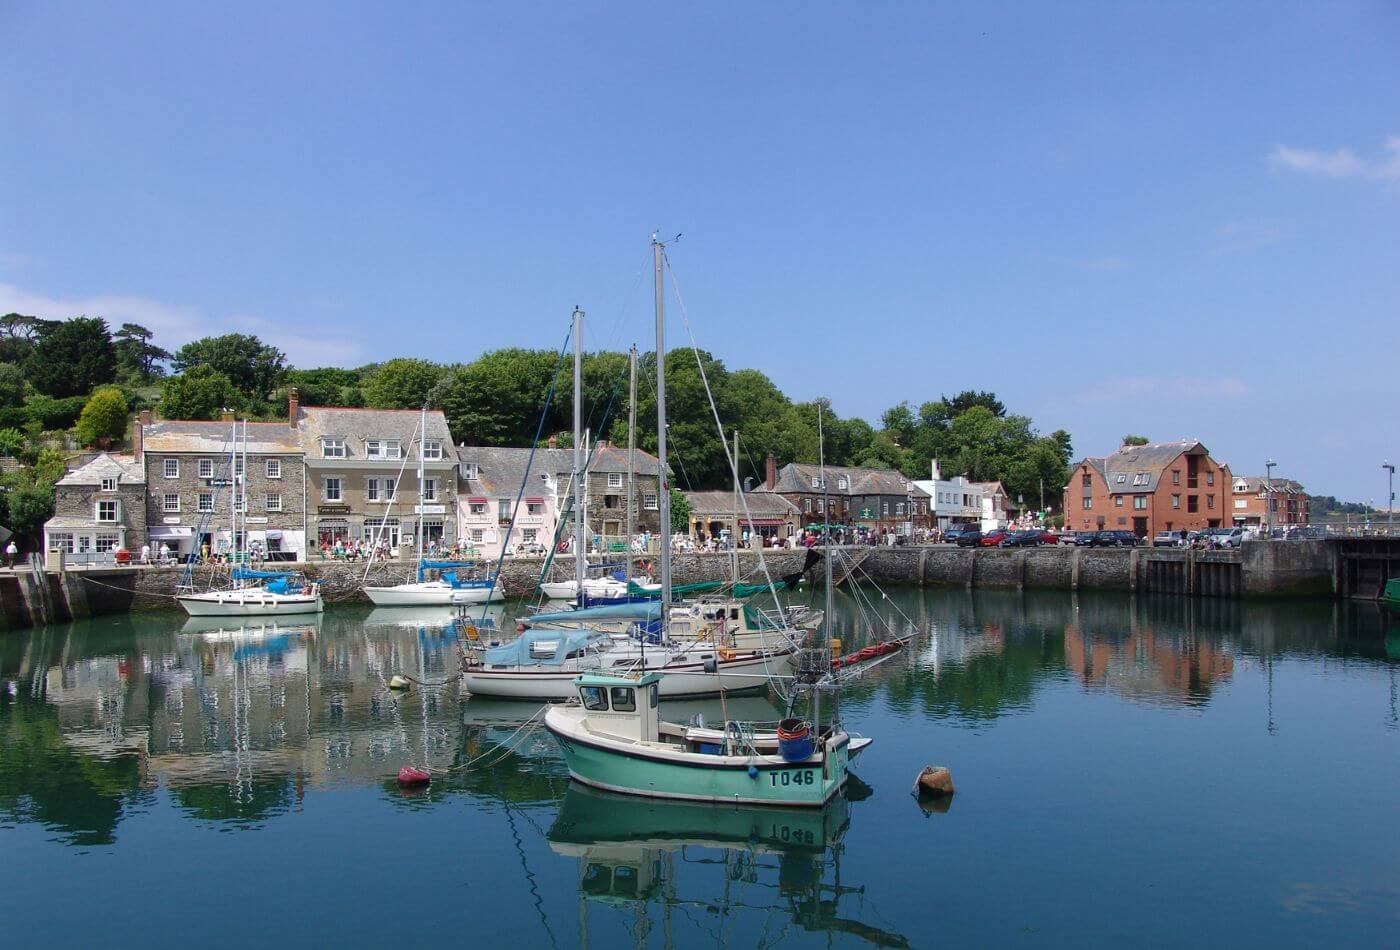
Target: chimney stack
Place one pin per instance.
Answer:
(770, 474)
(138, 435)
(293, 407)
(933, 470)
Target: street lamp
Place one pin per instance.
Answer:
(1390, 496)
(1269, 496)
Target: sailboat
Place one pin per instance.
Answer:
(614, 739)
(252, 593)
(449, 587)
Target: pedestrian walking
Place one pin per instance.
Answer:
(146, 554)
(11, 552)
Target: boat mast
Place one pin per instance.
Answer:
(580, 562)
(242, 489)
(232, 495)
(663, 493)
(422, 437)
(631, 450)
(830, 603)
(734, 540)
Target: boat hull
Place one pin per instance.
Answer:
(412, 595)
(657, 773)
(543, 684)
(249, 603)
(478, 595)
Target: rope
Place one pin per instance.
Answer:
(504, 747)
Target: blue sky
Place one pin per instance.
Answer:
(1172, 220)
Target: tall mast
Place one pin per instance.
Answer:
(422, 437)
(242, 488)
(631, 448)
(734, 541)
(830, 604)
(580, 556)
(232, 492)
(663, 494)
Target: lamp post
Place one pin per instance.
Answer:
(1269, 496)
(1390, 497)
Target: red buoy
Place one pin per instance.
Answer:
(409, 776)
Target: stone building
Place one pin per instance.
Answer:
(765, 514)
(877, 499)
(98, 507)
(491, 480)
(195, 480)
(1167, 486)
(362, 475)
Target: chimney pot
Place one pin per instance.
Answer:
(293, 407)
(553, 442)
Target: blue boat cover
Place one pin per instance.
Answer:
(542, 647)
(245, 574)
(639, 611)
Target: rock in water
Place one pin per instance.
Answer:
(934, 782)
(398, 682)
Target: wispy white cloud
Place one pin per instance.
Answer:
(1247, 235)
(1175, 388)
(1341, 163)
(175, 324)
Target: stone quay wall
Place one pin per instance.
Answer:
(1295, 568)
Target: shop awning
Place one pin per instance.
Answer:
(169, 531)
(477, 501)
(273, 535)
(530, 501)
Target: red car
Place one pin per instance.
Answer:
(991, 539)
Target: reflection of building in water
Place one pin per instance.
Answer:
(642, 860)
(1146, 665)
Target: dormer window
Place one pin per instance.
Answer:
(332, 448)
(109, 483)
(469, 470)
(816, 482)
(383, 449)
(432, 449)
(1140, 478)
(843, 483)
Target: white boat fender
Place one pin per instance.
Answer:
(398, 682)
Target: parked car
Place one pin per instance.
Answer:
(1081, 539)
(1114, 539)
(1029, 538)
(1231, 537)
(956, 533)
(1310, 532)
(993, 538)
(1175, 538)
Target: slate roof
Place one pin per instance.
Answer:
(796, 478)
(760, 504)
(1255, 485)
(502, 468)
(216, 438)
(354, 425)
(1143, 462)
(123, 467)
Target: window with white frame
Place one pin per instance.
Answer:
(170, 468)
(61, 542)
(333, 485)
(478, 535)
(529, 535)
(477, 507)
(614, 479)
(816, 482)
(205, 501)
(109, 483)
(238, 467)
(807, 505)
(503, 507)
(842, 483)
(1140, 478)
(429, 489)
(332, 448)
(107, 510)
(649, 502)
(371, 489)
(469, 470)
(899, 508)
(273, 468)
(1241, 503)
(1120, 478)
(205, 468)
(533, 507)
(432, 449)
(885, 509)
(1088, 504)
(104, 541)
(1140, 502)
(237, 501)
(84, 543)
(171, 502)
(390, 486)
(273, 502)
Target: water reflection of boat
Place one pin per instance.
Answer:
(214, 629)
(635, 853)
(430, 616)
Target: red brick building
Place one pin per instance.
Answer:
(1256, 503)
(1149, 488)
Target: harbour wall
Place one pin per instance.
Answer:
(1264, 569)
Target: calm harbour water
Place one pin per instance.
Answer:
(1129, 771)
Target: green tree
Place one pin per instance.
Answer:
(497, 398)
(103, 418)
(29, 492)
(199, 393)
(12, 443)
(403, 384)
(253, 367)
(680, 511)
(72, 356)
(138, 358)
(324, 386)
(11, 385)
(1134, 440)
(52, 414)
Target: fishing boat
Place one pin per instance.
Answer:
(541, 665)
(614, 739)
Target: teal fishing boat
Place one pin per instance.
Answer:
(1392, 592)
(614, 739)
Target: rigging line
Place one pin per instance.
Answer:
(495, 578)
(627, 302)
(673, 451)
(394, 500)
(733, 464)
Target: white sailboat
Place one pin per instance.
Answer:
(252, 593)
(445, 590)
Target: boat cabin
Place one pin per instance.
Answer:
(546, 648)
(621, 705)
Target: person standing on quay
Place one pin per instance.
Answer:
(11, 552)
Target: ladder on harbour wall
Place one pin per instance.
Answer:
(851, 563)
